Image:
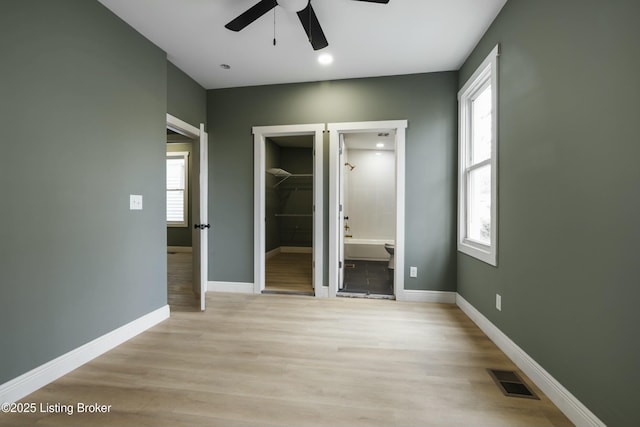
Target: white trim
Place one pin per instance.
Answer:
(443, 297)
(295, 250)
(182, 127)
(579, 414)
(36, 378)
(260, 133)
(203, 208)
(179, 249)
(487, 71)
(231, 287)
(335, 129)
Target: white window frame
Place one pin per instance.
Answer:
(485, 74)
(181, 155)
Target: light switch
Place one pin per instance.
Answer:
(135, 202)
(413, 271)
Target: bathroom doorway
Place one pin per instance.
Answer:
(366, 211)
(367, 197)
(288, 195)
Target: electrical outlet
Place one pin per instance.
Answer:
(413, 271)
(498, 302)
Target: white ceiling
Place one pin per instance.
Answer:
(369, 140)
(365, 39)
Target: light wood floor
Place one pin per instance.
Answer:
(281, 360)
(180, 295)
(289, 272)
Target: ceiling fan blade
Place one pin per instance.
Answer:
(251, 15)
(312, 27)
(376, 1)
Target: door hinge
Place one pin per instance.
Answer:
(339, 264)
(340, 208)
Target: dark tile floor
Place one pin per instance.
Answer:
(368, 277)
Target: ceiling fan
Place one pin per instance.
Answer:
(305, 12)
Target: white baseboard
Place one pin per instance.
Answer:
(272, 253)
(233, 287)
(37, 378)
(179, 249)
(445, 297)
(579, 414)
(295, 250)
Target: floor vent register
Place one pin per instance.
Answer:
(511, 384)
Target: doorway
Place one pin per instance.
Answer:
(195, 213)
(179, 173)
(288, 196)
(289, 215)
(367, 196)
(365, 235)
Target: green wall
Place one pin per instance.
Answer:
(83, 122)
(568, 196)
(186, 99)
(427, 101)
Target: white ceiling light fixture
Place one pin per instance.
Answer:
(379, 145)
(293, 5)
(325, 59)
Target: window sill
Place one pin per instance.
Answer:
(481, 252)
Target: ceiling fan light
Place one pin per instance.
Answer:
(325, 59)
(293, 5)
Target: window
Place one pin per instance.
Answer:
(477, 184)
(177, 189)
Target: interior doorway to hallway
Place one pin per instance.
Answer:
(195, 214)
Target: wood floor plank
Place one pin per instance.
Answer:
(289, 272)
(281, 360)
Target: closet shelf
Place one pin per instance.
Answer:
(284, 175)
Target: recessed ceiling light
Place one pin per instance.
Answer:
(225, 66)
(379, 145)
(325, 59)
(378, 153)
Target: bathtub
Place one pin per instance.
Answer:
(366, 249)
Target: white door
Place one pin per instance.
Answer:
(341, 213)
(200, 217)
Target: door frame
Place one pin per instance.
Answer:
(335, 129)
(260, 133)
(200, 138)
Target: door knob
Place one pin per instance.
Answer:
(201, 226)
